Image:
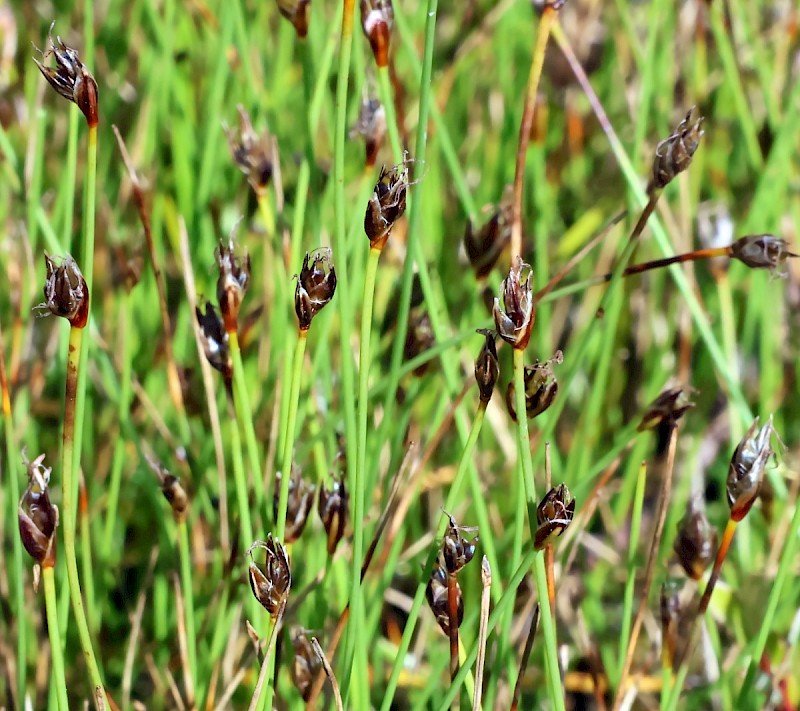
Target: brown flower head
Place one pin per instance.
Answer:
(419, 338)
(305, 665)
(666, 409)
(674, 153)
(215, 340)
(65, 291)
(436, 594)
(271, 585)
(377, 17)
(487, 366)
(541, 388)
(371, 126)
(746, 470)
(301, 498)
(763, 252)
(514, 322)
(485, 245)
(37, 517)
(234, 277)
(334, 505)
(457, 550)
(171, 487)
(553, 515)
(252, 152)
(316, 286)
(70, 78)
(387, 204)
(696, 542)
(296, 11)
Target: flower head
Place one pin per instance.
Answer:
(296, 11)
(485, 245)
(387, 204)
(334, 504)
(316, 286)
(305, 665)
(762, 252)
(377, 17)
(215, 340)
(419, 337)
(301, 498)
(674, 153)
(746, 470)
(514, 321)
(541, 388)
(667, 409)
(457, 550)
(553, 515)
(271, 585)
(696, 542)
(436, 594)
(487, 366)
(37, 517)
(65, 291)
(234, 277)
(252, 152)
(171, 487)
(371, 126)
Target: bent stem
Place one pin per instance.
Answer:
(51, 607)
(75, 365)
(555, 689)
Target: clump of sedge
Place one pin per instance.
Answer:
(70, 78)
(301, 498)
(271, 585)
(674, 154)
(487, 366)
(316, 285)
(65, 291)
(371, 126)
(37, 517)
(377, 17)
(172, 489)
(514, 321)
(296, 11)
(387, 204)
(746, 470)
(696, 542)
(252, 152)
(234, 278)
(541, 388)
(553, 515)
(762, 252)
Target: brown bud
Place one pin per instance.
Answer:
(37, 517)
(746, 470)
(553, 515)
(305, 665)
(541, 388)
(371, 126)
(457, 551)
(171, 487)
(70, 78)
(666, 409)
(436, 594)
(487, 366)
(485, 245)
(296, 11)
(301, 497)
(763, 252)
(215, 340)
(696, 542)
(387, 204)
(674, 153)
(419, 338)
(234, 277)
(334, 504)
(253, 153)
(514, 322)
(65, 291)
(377, 17)
(316, 286)
(271, 586)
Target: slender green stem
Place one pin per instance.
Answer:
(555, 689)
(188, 596)
(387, 99)
(71, 169)
(75, 365)
(239, 479)
(48, 577)
(267, 673)
(85, 534)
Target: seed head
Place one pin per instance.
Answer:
(553, 515)
(666, 409)
(487, 366)
(334, 504)
(674, 153)
(371, 126)
(70, 77)
(485, 245)
(37, 517)
(746, 470)
(763, 252)
(305, 665)
(387, 204)
(65, 291)
(377, 17)
(541, 388)
(436, 594)
(301, 498)
(457, 550)
(514, 322)
(316, 286)
(215, 340)
(171, 487)
(696, 542)
(253, 153)
(419, 338)
(271, 586)
(296, 11)
(234, 277)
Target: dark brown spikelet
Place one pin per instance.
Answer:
(514, 321)
(436, 594)
(215, 340)
(296, 11)
(553, 515)
(298, 505)
(387, 204)
(305, 664)
(696, 542)
(38, 517)
(485, 245)
(65, 291)
(763, 252)
(271, 585)
(70, 77)
(746, 470)
(334, 505)
(252, 152)
(232, 283)
(172, 489)
(487, 366)
(316, 285)
(541, 388)
(419, 338)
(457, 550)
(666, 409)
(377, 17)
(371, 126)
(674, 154)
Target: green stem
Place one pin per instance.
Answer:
(75, 365)
(239, 479)
(387, 99)
(48, 577)
(188, 596)
(548, 626)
